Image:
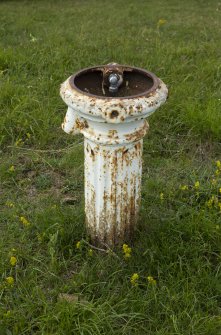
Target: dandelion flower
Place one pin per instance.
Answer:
(11, 169)
(212, 201)
(90, 252)
(197, 184)
(213, 181)
(18, 142)
(184, 188)
(127, 251)
(13, 260)
(127, 255)
(134, 278)
(209, 203)
(10, 281)
(161, 22)
(217, 172)
(39, 237)
(7, 314)
(151, 280)
(218, 164)
(78, 245)
(9, 204)
(24, 221)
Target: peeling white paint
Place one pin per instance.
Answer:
(113, 157)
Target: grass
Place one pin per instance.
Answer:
(178, 241)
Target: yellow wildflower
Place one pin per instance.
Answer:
(10, 281)
(212, 201)
(184, 187)
(161, 196)
(214, 181)
(7, 314)
(217, 172)
(13, 260)
(218, 164)
(78, 245)
(197, 184)
(39, 237)
(161, 22)
(11, 169)
(127, 251)
(18, 142)
(151, 280)
(134, 278)
(9, 204)
(90, 252)
(209, 203)
(127, 255)
(24, 221)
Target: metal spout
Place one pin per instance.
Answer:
(115, 80)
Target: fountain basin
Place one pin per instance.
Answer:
(139, 96)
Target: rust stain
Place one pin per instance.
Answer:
(138, 134)
(128, 106)
(116, 219)
(92, 154)
(81, 124)
(139, 108)
(113, 134)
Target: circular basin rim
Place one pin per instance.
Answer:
(143, 71)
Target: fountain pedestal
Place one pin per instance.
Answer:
(113, 128)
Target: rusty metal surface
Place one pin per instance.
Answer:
(119, 69)
(113, 129)
(114, 110)
(112, 190)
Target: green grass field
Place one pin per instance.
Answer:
(48, 285)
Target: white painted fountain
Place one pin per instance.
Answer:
(109, 105)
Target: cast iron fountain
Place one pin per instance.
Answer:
(109, 105)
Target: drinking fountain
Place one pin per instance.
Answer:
(109, 105)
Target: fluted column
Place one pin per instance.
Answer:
(112, 190)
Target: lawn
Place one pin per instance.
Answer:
(52, 281)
